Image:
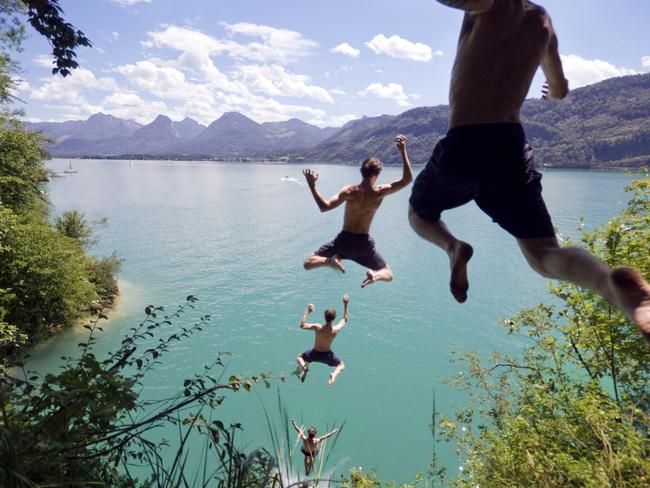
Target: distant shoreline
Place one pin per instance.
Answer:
(619, 169)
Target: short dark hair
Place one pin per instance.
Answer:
(311, 432)
(330, 314)
(371, 167)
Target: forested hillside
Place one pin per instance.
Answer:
(606, 125)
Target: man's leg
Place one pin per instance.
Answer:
(315, 261)
(384, 274)
(623, 287)
(305, 368)
(459, 252)
(337, 371)
(309, 463)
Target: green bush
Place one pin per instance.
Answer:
(574, 410)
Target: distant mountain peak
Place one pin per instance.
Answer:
(162, 118)
(101, 116)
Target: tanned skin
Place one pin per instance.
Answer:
(361, 204)
(325, 335)
(502, 43)
(310, 444)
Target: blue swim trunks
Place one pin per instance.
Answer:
(357, 247)
(493, 165)
(314, 356)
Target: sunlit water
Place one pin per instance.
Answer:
(235, 235)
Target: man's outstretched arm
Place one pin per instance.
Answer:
(329, 434)
(298, 429)
(303, 322)
(344, 320)
(557, 86)
(407, 172)
(324, 205)
(471, 6)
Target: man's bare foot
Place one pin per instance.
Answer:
(335, 263)
(459, 256)
(370, 279)
(632, 295)
(331, 381)
(303, 374)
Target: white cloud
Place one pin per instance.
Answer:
(274, 80)
(645, 61)
(439, 53)
(43, 60)
(338, 91)
(179, 77)
(392, 91)
(129, 105)
(581, 72)
(128, 3)
(397, 47)
(277, 45)
(273, 45)
(162, 81)
(345, 49)
(341, 120)
(80, 80)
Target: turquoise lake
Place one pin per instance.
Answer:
(235, 236)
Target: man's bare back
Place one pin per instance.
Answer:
(324, 336)
(361, 204)
(485, 156)
(499, 52)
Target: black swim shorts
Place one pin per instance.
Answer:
(314, 356)
(357, 247)
(493, 165)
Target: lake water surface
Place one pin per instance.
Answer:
(235, 236)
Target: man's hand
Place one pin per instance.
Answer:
(400, 140)
(545, 90)
(548, 94)
(346, 299)
(311, 176)
(310, 308)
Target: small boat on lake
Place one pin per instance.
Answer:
(70, 168)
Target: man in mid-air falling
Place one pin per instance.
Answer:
(325, 335)
(310, 444)
(485, 156)
(361, 204)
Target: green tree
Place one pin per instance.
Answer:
(74, 224)
(47, 273)
(21, 168)
(574, 410)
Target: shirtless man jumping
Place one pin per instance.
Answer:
(310, 443)
(362, 201)
(485, 156)
(325, 335)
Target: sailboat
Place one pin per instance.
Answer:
(70, 168)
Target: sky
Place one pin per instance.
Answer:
(323, 62)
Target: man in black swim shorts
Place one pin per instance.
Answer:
(485, 156)
(310, 444)
(325, 335)
(361, 204)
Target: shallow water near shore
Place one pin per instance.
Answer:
(235, 236)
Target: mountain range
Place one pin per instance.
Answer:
(605, 125)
